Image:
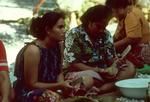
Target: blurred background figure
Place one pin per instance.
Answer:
(4, 76)
(37, 6)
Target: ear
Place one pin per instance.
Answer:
(47, 29)
(129, 9)
(90, 25)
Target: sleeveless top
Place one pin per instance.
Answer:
(48, 70)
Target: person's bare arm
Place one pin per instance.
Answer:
(31, 62)
(82, 67)
(126, 41)
(37, 6)
(60, 77)
(4, 86)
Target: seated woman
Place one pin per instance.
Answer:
(38, 64)
(89, 51)
(133, 29)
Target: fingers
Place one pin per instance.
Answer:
(67, 84)
(93, 91)
(103, 71)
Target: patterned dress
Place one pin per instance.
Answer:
(48, 71)
(80, 49)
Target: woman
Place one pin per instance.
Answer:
(89, 51)
(133, 29)
(38, 64)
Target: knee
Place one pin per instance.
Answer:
(127, 72)
(131, 70)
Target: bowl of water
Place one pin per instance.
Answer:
(133, 88)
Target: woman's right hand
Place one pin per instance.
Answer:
(5, 100)
(112, 70)
(67, 89)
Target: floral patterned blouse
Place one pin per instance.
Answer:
(79, 49)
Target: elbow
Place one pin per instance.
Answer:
(4, 76)
(31, 84)
(74, 67)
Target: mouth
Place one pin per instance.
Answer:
(62, 38)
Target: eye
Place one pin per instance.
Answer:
(61, 26)
(99, 25)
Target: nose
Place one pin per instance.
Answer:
(63, 31)
(101, 30)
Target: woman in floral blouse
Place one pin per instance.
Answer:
(89, 51)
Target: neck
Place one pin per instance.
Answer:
(46, 43)
(90, 34)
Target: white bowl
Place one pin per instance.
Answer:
(133, 88)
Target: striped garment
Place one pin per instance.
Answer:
(3, 59)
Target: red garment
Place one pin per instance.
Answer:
(3, 59)
(135, 56)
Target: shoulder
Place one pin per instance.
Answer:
(1, 45)
(0, 42)
(74, 32)
(2, 50)
(3, 59)
(32, 49)
(134, 14)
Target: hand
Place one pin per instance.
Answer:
(93, 91)
(102, 70)
(5, 100)
(48, 95)
(99, 70)
(112, 70)
(120, 63)
(66, 84)
(35, 10)
(67, 89)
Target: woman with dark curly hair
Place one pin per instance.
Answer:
(38, 64)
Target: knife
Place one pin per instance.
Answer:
(125, 52)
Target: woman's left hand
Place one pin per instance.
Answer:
(120, 63)
(66, 84)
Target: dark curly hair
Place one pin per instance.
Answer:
(118, 3)
(49, 19)
(96, 14)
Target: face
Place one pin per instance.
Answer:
(120, 13)
(95, 28)
(57, 33)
